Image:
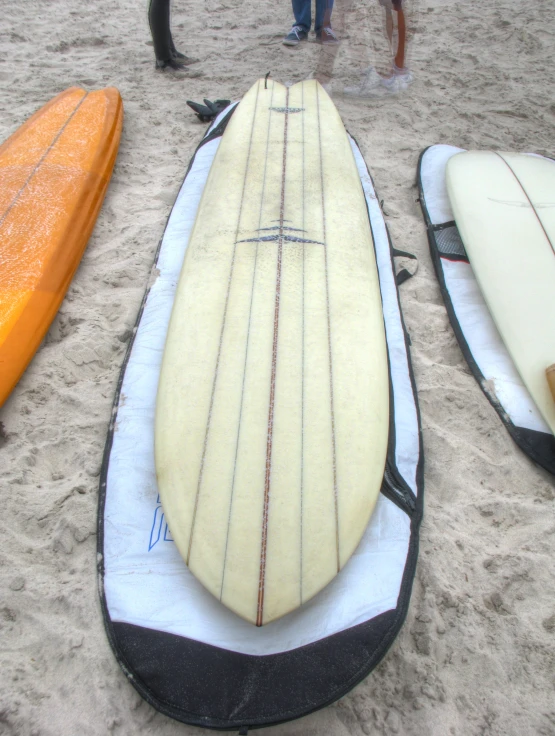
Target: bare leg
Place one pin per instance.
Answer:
(401, 39)
(398, 52)
(328, 53)
(327, 17)
(376, 83)
(389, 27)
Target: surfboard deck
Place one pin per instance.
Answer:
(54, 172)
(272, 410)
(504, 209)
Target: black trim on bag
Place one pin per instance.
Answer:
(403, 275)
(234, 690)
(395, 488)
(218, 131)
(454, 258)
(402, 253)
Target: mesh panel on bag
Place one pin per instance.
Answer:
(449, 241)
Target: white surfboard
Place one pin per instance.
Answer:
(504, 207)
(272, 410)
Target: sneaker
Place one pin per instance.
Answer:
(326, 35)
(374, 85)
(295, 36)
(403, 72)
(398, 82)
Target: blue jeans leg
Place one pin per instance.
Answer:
(301, 11)
(323, 14)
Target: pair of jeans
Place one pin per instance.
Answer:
(302, 13)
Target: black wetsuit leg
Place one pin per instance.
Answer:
(159, 21)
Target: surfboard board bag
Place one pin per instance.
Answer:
(480, 342)
(186, 654)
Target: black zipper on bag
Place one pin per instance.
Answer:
(397, 491)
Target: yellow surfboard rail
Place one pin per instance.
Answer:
(54, 172)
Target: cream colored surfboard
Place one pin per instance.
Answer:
(272, 411)
(504, 206)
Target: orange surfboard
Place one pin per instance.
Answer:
(54, 172)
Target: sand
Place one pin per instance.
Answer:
(477, 652)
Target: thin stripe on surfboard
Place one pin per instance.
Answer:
(521, 185)
(332, 411)
(41, 160)
(247, 342)
(303, 219)
(264, 540)
(215, 379)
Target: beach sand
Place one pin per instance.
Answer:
(477, 652)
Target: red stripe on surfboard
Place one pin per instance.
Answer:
(268, 471)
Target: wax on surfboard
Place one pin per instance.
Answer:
(504, 207)
(272, 411)
(54, 172)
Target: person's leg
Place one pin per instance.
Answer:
(159, 21)
(301, 26)
(323, 14)
(164, 48)
(401, 34)
(389, 26)
(322, 22)
(376, 84)
(326, 58)
(301, 11)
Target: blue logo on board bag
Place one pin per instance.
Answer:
(160, 530)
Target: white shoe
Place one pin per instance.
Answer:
(374, 85)
(404, 73)
(398, 82)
